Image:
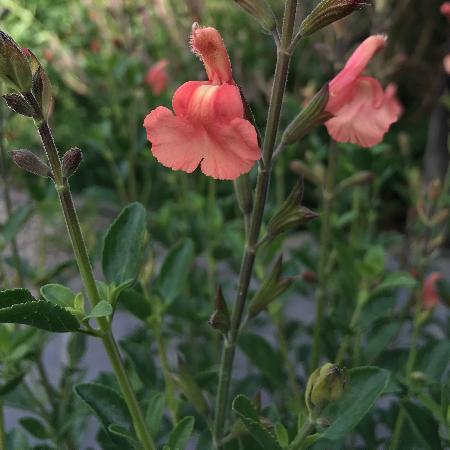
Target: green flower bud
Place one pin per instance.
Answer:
(14, 67)
(325, 385)
(329, 11)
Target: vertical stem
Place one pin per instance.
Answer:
(2, 428)
(262, 185)
(85, 268)
(325, 239)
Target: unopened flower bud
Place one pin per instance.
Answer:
(261, 11)
(325, 385)
(329, 11)
(358, 179)
(19, 104)
(290, 214)
(28, 161)
(244, 194)
(220, 318)
(14, 66)
(311, 116)
(42, 90)
(71, 161)
(271, 288)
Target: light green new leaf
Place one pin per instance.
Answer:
(180, 435)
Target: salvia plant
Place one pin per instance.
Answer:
(217, 361)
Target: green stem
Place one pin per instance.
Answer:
(85, 268)
(304, 432)
(170, 394)
(279, 85)
(325, 239)
(2, 428)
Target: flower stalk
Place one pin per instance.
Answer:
(278, 89)
(85, 268)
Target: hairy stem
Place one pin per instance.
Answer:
(262, 185)
(85, 268)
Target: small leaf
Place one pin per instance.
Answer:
(58, 294)
(396, 280)
(282, 434)
(19, 306)
(15, 223)
(155, 412)
(179, 436)
(175, 270)
(101, 309)
(243, 407)
(124, 245)
(379, 340)
(34, 427)
(364, 387)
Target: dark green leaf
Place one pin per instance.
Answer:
(175, 270)
(243, 407)
(364, 386)
(422, 423)
(379, 340)
(141, 360)
(263, 356)
(435, 360)
(124, 245)
(180, 435)
(58, 294)
(134, 302)
(15, 223)
(108, 406)
(19, 306)
(396, 280)
(34, 427)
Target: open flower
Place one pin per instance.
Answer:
(207, 127)
(430, 293)
(156, 76)
(362, 110)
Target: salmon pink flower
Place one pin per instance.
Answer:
(430, 293)
(207, 127)
(445, 9)
(446, 64)
(156, 77)
(362, 111)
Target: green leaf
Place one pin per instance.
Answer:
(434, 360)
(282, 434)
(364, 387)
(108, 406)
(34, 427)
(175, 270)
(423, 425)
(58, 294)
(263, 356)
(379, 340)
(141, 359)
(396, 280)
(155, 412)
(124, 245)
(19, 306)
(135, 303)
(243, 407)
(180, 435)
(101, 309)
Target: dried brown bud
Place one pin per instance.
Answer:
(19, 104)
(220, 318)
(28, 161)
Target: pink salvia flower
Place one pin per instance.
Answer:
(363, 112)
(207, 127)
(157, 77)
(430, 293)
(445, 9)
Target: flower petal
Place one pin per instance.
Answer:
(355, 65)
(182, 97)
(366, 117)
(175, 142)
(231, 150)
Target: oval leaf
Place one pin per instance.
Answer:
(101, 309)
(58, 294)
(124, 245)
(180, 435)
